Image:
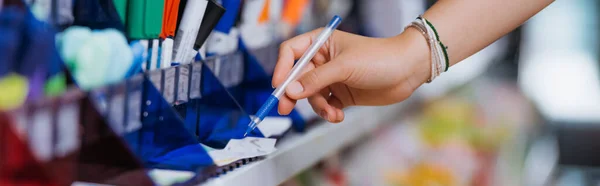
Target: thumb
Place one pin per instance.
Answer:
(313, 81)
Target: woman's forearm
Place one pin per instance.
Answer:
(467, 26)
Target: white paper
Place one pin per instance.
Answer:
(274, 126)
(238, 149)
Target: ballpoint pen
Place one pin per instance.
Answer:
(293, 75)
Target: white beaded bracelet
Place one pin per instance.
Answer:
(439, 55)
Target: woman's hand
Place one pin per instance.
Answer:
(353, 70)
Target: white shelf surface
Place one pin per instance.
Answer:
(297, 152)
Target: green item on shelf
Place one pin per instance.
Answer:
(144, 18)
(121, 6)
(56, 85)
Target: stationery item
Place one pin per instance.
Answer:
(180, 11)
(166, 53)
(121, 8)
(221, 43)
(275, 10)
(41, 9)
(145, 57)
(64, 11)
(256, 35)
(265, 13)
(153, 18)
(170, 18)
(138, 50)
(229, 17)
(201, 53)
(295, 73)
(255, 29)
(211, 17)
(144, 18)
(291, 15)
(154, 55)
(252, 10)
(188, 30)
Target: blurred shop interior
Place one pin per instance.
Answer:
(159, 92)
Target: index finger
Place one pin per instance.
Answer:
(289, 51)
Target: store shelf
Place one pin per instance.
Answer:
(297, 152)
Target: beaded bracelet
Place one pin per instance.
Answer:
(439, 54)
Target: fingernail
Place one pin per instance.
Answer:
(324, 115)
(273, 87)
(295, 88)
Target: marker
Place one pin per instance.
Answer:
(212, 15)
(154, 55)
(166, 53)
(183, 45)
(296, 70)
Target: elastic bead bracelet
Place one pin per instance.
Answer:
(439, 55)
(444, 47)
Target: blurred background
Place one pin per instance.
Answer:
(523, 111)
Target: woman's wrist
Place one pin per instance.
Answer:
(415, 54)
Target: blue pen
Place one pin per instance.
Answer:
(296, 70)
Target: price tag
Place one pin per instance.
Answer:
(237, 68)
(116, 113)
(134, 111)
(41, 133)
(183, 84)
(169, 91)
(68, 129)
(156, 78)
(196, 81)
